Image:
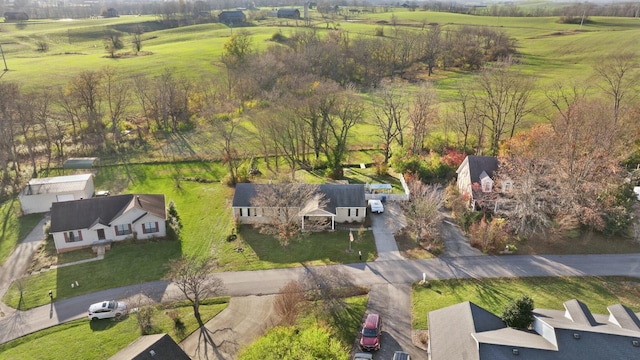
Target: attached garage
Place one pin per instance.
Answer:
(39, 194)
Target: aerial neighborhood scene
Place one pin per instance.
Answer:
(333, 180)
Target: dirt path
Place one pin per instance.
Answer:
(244, 320)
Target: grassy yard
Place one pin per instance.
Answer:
(13, 227)
(548, 293)
(84, 339)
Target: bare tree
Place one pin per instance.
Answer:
(117, 94)
(619, 74)
(287, 303)
(230, 147)
(192, 275)
(112, 42)
(422, 211)
(136, 39)
(422, 114)
(282, 204)
(503, 100)
(329, 286)
(389, 113)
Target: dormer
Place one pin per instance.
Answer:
(486, 183)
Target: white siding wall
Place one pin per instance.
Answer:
(349, 214)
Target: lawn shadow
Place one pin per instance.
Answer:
(105, 324)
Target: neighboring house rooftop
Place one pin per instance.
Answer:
(152, 347)
(466, 331)
(351, 195)
(479, 165)
(56, 184)
(83, 214)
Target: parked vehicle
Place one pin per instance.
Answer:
(363, 356)
(401, 355)
(376, 206)
(107, 309)
(371, 333)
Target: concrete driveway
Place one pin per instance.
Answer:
(384, 226)
(456, 243)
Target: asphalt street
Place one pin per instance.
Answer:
(397, 272)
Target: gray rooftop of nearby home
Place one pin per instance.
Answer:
(478, 164)
(152, 347)
(338, 195)
(83, 214)
(466, 331)
(56, 184)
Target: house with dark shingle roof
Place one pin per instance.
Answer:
(232, 17)
(466, 331)
(344, 203)
(102, 220)
(152, 347)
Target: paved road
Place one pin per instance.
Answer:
(395, 272)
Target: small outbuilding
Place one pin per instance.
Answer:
(39, 194)
(232, 17)
(289, 13)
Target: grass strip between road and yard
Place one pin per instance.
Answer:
(88, 340)
(547, 292)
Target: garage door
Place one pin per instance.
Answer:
(65, 197)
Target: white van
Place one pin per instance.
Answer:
(376, 206)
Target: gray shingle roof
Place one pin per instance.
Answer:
(478, 164)
(152, 347)
(82, 214)
(457, 332)
(351, 195)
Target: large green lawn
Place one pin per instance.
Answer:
(85, 339)
(13, 227)
(548, 293)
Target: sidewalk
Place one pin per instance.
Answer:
(18, 262)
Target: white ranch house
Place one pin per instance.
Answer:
(346, 203)
(102, 220)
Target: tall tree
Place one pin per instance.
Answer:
(118, 96)
(618, 74)
(389, 117)
(112, 42)
(422, 113)
(193, 277)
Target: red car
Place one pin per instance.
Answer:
(371, 332)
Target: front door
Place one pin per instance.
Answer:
(100, 234)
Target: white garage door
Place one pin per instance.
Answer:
(65, 197)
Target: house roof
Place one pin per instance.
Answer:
(466, 331)
(288, 11)
(56, 185)
(152, 347)
(479, 164)
(83, 214)
(337, 195)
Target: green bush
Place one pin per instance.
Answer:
(519, 313)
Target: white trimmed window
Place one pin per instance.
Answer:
(124, 229)
(150, 228)
(72, 236)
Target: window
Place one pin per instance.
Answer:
(72, 236)
(357, 212)
(150, 228)
(240, 212)
(486, 186)
(348, 212)
(124, 229)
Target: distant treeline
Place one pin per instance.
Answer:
(621, 9)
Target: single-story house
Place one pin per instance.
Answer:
(232, 17)
(152, 347)
(40, 193)
(345, 203)
(467, 331)
(102, 220)
(289, 13)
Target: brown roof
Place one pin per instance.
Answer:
(82, 214)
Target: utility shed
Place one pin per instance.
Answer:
(39, 194)
(81, 163)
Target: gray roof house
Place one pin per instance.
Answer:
(152, 347)
(102, 220)
(345, 203)
(476, 169)
(466, 331)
